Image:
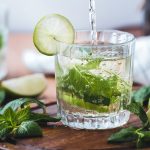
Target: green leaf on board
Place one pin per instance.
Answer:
(10, 116)
(138, 110)
(17, 119)
(124, 135)
(15, 104)
(23, 115)
(28, 129)
(142, 95)
(5, 132)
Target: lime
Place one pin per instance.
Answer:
(148, 114)
(30, 85)
(74, 101)
(52, 30)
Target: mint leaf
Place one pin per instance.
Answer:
(1, 118)
(10, 116)
(2, 96)
(92, 88)
(5, 133)
(5, 130)
(23, 115)
(15, 104)
(124, 135)
(42, 118)
(92, 64)
(138, 110)
(143, 138)
(142, 95)
(28, 129)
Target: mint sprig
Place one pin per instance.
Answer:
(138, 110)
(17, 119)
(28, 129)
(124, 135)
(83, 84)
(140, 136)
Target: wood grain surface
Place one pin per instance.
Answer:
(61, 137)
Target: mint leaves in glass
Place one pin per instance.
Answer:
(94, 82)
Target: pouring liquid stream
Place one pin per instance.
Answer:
(92, 20)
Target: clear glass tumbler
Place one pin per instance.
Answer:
(3, 39)
(94, 82)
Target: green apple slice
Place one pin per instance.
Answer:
(30, 85)
(52, 30)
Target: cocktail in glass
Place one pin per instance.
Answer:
(94, 82)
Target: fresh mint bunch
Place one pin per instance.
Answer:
(140, 136)
(17, 119)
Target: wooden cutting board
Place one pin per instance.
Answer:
(61, 137)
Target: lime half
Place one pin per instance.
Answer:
(51, 30)
(30, 85)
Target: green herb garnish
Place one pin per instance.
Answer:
(17, 119)
(133, 134)
(101, 89)
(142, 95)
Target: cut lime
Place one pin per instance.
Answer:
(148, 114)
(50, 31)
(30, 85)
(82, 104)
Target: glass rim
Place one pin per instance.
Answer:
(99, 45)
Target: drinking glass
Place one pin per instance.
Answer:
(94, 82)
(3, 39)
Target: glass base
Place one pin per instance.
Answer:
(110, 121)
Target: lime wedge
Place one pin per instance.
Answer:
(82, 104)
(30, 85)
(50, 31)
(148, 114)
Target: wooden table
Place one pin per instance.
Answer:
(56, 137)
